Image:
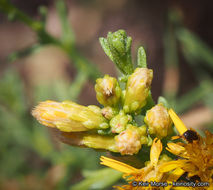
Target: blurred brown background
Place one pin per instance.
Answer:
(149, 23)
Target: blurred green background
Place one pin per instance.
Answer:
(50, 50)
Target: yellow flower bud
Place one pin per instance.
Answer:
(119, 122)
(137, 89)
(108, 91)
(128, 142)
(158, 121)
(87, 139)
(109, 112)
(68, 116)
(100, 142)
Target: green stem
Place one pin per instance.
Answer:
(67, 34)
(14, 13)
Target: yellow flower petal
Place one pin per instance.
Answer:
(168, 166)
(175, 137)
(155, 151)
(175, 148)
(178, 123)
(119, 166)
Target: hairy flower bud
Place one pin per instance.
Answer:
(108, 91)
(109, 112)
(68, 116)
(128, 142)
(137, 90)
(158, 121)
(119, 122)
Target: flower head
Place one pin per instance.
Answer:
(158, 121)
(68, 116)
(137, 89)
(108, 91)
(129, 142)
(195, 157)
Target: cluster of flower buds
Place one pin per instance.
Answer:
(113, 126)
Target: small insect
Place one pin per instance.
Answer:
(188, 135)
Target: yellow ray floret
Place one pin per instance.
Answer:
(155, 151)
(119, 166)
(178, 123)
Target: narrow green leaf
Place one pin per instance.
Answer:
(141, 58)
(99, 179)
(105, 46)
(67, 33)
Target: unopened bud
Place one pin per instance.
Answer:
(128, 142)
(137, 90)
(109, 112)
(119, 122)
(68, 116)
(108, 91)
(158, 121)
(100, 142)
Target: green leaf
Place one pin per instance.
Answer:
(141, 58)
(117, 46)
(194, 48)
(195, 95)
(67, 33)
(105, 46)
(99, 179)
(12, 92)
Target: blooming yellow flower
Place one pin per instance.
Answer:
(195, 158)
(147, 174)
(68, 116)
